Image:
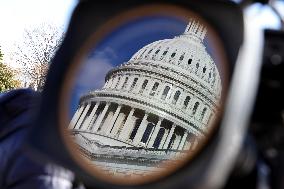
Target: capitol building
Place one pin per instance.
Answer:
(154, 108)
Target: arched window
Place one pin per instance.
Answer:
(134, 83)
(147, 55)
(186, 101)
(173, 54)
(157, 51)
(176, 96)
(181, 57)
(204, 69)
(189, 61)
(124, 83)
(165, 92)
(195, 107)
(197, 65)
(154, 89)
(117, 83)
(147, 133)
(143, 85)
(165, 52)
(203, 113)
(143, 52)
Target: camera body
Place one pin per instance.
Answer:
(217, 160)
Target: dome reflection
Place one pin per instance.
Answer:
(155, 108)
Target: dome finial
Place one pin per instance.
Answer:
(196, 29)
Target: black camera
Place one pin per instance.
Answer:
(147, 94)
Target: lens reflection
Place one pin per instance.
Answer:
(144, 100)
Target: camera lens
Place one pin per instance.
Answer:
(144, 94)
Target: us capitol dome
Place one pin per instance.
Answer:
(161, 102)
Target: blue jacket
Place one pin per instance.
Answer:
(17, 168)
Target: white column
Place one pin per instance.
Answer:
(141, 130)
(121, 81)
(100, 118)
(109, 83)
(105, 124)
(105, 121)
(171, 94)
(131, 80)
(76, 117)
(105, 85)
(176, 142)
(183, 140)
(165, 146)
(187, 145)
(155, 133)
(114, 81)
(113, 119)
(78, 124)
(127, 127)
(90, 118)
(118, 124)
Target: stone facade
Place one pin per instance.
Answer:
(157, 105)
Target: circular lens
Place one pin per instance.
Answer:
(144, 94)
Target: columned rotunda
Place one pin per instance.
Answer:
(162, 101)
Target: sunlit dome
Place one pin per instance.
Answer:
(186, 54)
(164, 99)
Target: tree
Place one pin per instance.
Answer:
(7, 77)
(1, 56)
(36, 51)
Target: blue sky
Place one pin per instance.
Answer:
(17, 15)
(119, 46)
(122, 43)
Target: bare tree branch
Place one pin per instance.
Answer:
(36, 51)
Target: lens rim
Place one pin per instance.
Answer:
(105, 29)
(226, 17)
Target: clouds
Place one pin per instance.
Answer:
(93, 72)
(91, 75)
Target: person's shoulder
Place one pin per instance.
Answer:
(7, 97)
(15, 109)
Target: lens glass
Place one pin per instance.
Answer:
(144, 94)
